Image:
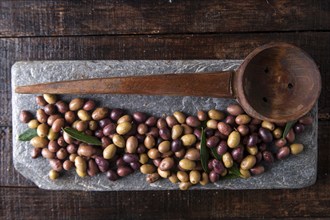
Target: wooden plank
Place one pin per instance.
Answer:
(8, 175)
(209, 204)
(63, 18)
(223, 46)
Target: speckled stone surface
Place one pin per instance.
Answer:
(294, 172)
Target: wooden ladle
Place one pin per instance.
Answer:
(277, 82)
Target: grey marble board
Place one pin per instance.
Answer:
(295, 172)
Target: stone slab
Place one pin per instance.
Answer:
(295, 172)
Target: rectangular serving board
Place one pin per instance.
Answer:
(294, 172)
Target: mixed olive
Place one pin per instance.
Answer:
(165, 147)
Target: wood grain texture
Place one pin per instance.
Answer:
(64, 17)
(222, 46)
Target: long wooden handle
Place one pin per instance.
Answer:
(215, 84)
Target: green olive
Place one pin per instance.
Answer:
(268, 125)
(80, 163)
(180, 117)
(164, 147)
(188, 139)
(52, 135)
(234, 139)
(50, 98)
(123, 128)
(76, 104)
(296, 148)
(216, 115)
(53, 174)
(153, 153)
(204, 179)
(185, 185)
(118, 140)
(177, 131)
(242, 119)
(245, 173)
(81, 173)
(109, 152)
(149, 141)
(213, 124)
(227, 160)
(39, 142)
(173, 178)
(182, 176)
(194, 176)
(278, 132)
(33, 124)
(147, 169)
(248, 162)
(124, 118)
(84, 115)
(253, 150)
(42, 130)
(164, 173)
(187, 164)
(143, 158)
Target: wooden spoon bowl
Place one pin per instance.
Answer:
(277, 82)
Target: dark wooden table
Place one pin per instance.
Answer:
(160, 29)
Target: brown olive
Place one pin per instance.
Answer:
(56, 164)
(149, 141)
(235, 109)
(201, 115)
(306, 120)
(153, 177)
(171, 121)
(89, 105)
(50, 109)
(100, 113)
(62, 106)
(67, 165)
(62, 154)
(151, 121)
(58, 124)
(35, 152)
(41, 116)
(193, 121)
(192, 154)
(92, 168)
(182, 176)
(153, 153)
(86, 150)
(42, 130)
(25, 116)
(41, 101)
(167, 163)
(224, 128)
(47, 154)
(131, 144)
(70, 117)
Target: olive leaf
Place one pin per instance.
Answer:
(233, 172)
(81, 136)
(28, 135)
(204, 152)
(215, 154)
(287, 128)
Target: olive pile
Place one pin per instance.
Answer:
(165, 147)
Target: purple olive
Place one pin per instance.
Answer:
(165, 133)
(112, 175)
(129, 158)
(265, 135)
(252, 140)
(116, 114)
(298, 128)
(268, 157)
(139, 117)
(212, 141)
(238, 153)
(222, 147)
(176, 145)
(213, 176)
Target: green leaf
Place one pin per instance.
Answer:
(204, 152)
(81, 136)
(234, 172)
(287, 128)
(215, 154)
(28, 135)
